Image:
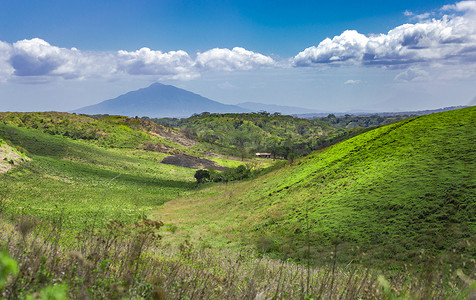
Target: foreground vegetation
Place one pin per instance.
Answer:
(130, 262)
(386, 214)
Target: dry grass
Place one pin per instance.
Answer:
(131, 262)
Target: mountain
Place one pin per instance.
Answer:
(388, 195)
(272, 108)
(159, 100)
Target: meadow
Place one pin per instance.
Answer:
(387, 214)
(383, 198)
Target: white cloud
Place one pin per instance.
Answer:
(352, 82)
(36, 57)
(349, 46)
(230, 60)
(175, 64)
(423, 16)
(419, 17)
(462, 6)
(37, 61)
(451, 38)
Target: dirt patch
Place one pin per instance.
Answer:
(192, 162)
(9, 158)
(155, 129)
(174, 136)
(159, 147)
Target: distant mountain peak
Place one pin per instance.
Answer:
(159, 100)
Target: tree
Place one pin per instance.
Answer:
(202, 176)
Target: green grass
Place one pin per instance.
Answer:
(109, 131)
(74, 179)
(388, 196)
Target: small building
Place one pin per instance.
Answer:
(263, 155)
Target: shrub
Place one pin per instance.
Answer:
(231, 174)
(7, 266)
(202, 176)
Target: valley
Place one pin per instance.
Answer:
(348, 207)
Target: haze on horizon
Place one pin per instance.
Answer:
(333, 56)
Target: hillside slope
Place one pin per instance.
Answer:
(389, 195)
(78, 181)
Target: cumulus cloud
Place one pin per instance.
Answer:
(349, 46)
(37, 59)
(230, 60)
(451, 38)
(176, 64)
(462, 6)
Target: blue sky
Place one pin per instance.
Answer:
(329, 56)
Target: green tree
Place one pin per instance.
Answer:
(202, 176)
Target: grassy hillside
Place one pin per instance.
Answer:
(400, 193)
(76, 180)
(107, 131)
(72, 215)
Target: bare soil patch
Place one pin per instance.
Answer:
(192, 162)
(167, 133)
(159, 147)
(9, 158)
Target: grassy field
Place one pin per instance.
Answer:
(389, 213)
(76, 180)
(400, 194)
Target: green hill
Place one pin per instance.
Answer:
(281, 135)
(106, 131)
(78, 181)
(79, 196)
(400, 193)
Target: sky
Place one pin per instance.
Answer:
(331, 56)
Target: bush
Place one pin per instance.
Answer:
(8, 266)
(202, 176)
(231, 174)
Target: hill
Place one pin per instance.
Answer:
(402, 193)
(281, 135)
(158, 100)
(75, 214)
